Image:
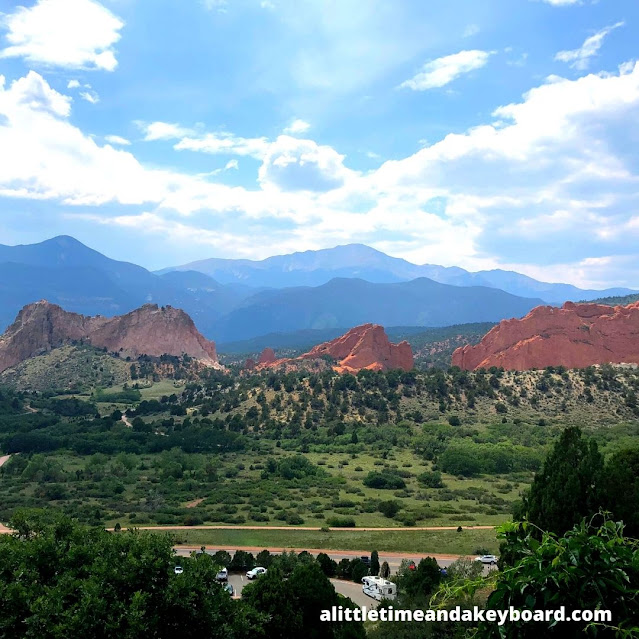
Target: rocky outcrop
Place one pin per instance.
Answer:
(365, 346)
(148, 330)
(267, 356)
(574, 336)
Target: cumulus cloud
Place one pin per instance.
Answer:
(553, 177)
(64, 33)
(33, 93)
(580, 58)
(292, 164)
(297, 126)
(443, 71)
(116, 139)
(561, 3)
(73, 84)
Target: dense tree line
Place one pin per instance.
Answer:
(59, 579)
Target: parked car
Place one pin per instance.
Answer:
(178, 570)
(366, 560)
(223, 575)
(229, 588)
(255, 572)
(487, 559)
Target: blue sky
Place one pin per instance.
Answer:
(499, 133)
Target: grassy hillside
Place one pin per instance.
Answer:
(432, 448)
(75, 368)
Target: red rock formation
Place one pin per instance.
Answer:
(267, 356)
(365, 346)
(249, 364)
(148, 330)
(574, 336)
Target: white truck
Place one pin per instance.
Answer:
(379, 588)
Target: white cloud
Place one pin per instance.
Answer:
(90, 96)
(232, 164)
(443, 71)
(292, 164)
(66, 33)
(33, 93)
(561, 3)
(223, 143)
(580, 58)
(297, 126)
(552, 178)
(116, 139)
(163, 131)
(73, 84)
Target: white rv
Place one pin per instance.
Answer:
(379, 588)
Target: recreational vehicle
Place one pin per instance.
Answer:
(379, 588)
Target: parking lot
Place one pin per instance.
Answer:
(346, 588)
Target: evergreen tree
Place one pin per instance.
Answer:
(621, 489)
(569, 486)
(374, 563)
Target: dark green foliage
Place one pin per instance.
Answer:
(586, 569)
(468, 458)
(389, 508)
(385, 479)
(420, 583)
(568, 488)
(58, 580)
(328, 565)
(293, 467)
(358, 570)
(341, 522)
(292, 606)
(431, 479)
(621, 489)
(241, 561)
(374, 569)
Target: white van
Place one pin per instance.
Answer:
(379, 588)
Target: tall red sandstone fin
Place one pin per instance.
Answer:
(148, 330)
(267, 356)
(574, 336)
(365, 346)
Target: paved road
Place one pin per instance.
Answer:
(394, 559)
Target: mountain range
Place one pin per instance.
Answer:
(314, 268)
(329, 289)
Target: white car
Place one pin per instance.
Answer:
(487, 559)
(178, 570)
(256, 572)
